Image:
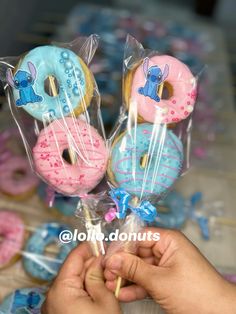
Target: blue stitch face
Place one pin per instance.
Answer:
(23, 79)
(154, 74)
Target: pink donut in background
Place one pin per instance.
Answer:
(92, 156)
(12, 233)
(17, 179)
(179, 82)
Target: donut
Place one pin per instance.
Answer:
(173, 216)
(164, 165)
(142, 83)
(17, 180)
(12, 237)
(64, 205)
(90, 166)
(36, 263)
(26, 300)
(74, 88)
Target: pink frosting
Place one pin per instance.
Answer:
(92, 156)
(179, 105)
(12, 233)
(10, 183)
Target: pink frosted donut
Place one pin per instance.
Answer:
(179, 81)
(12, 233)
(17, 178)
(92, 156)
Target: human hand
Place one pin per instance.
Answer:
(79, 287)
(174, 273)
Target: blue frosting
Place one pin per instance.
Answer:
(61, 63)
(175, 216)
(35, 262)
(22, 301)
(164, 165)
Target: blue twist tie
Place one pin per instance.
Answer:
(145, 210)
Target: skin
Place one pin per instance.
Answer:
(80, 287)
(172, 271)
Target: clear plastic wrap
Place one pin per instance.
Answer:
(94, 213)
(36, 242)
(20, 296)
(150, 145)
(53, 87)
(149, 150)
(210, 217)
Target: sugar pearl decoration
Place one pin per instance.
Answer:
(189, 108)
(165, 110)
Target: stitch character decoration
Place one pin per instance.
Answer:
(24, 81)
(154, 77)
(26, 301)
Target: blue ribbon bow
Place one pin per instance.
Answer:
(145, 210)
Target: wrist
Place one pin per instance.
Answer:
(227, 298)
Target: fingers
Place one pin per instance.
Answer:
(110, 276)
(95, 284)
(74, 263)
(132, 268)
(144, 252)
(128, 294)
(168, 241)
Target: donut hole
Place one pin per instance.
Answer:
(51, 86)
(144, 160)
(168, 91)
(19, 174)
(52, 250)
(69, 156)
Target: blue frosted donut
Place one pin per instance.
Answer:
(73, 77)
(64, 204)
(22, 301)
(165, 158)
(35, 262)
(175, 216)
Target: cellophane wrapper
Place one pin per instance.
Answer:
(149, 150)
(55, 103)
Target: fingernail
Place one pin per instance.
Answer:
(114, 263)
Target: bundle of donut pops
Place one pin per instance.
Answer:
(143, 157)
(147, 148)
(54, 86)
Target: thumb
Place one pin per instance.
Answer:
(134, 269)
(95, 284)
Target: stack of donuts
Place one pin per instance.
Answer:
(148, 157)
(55, 86)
